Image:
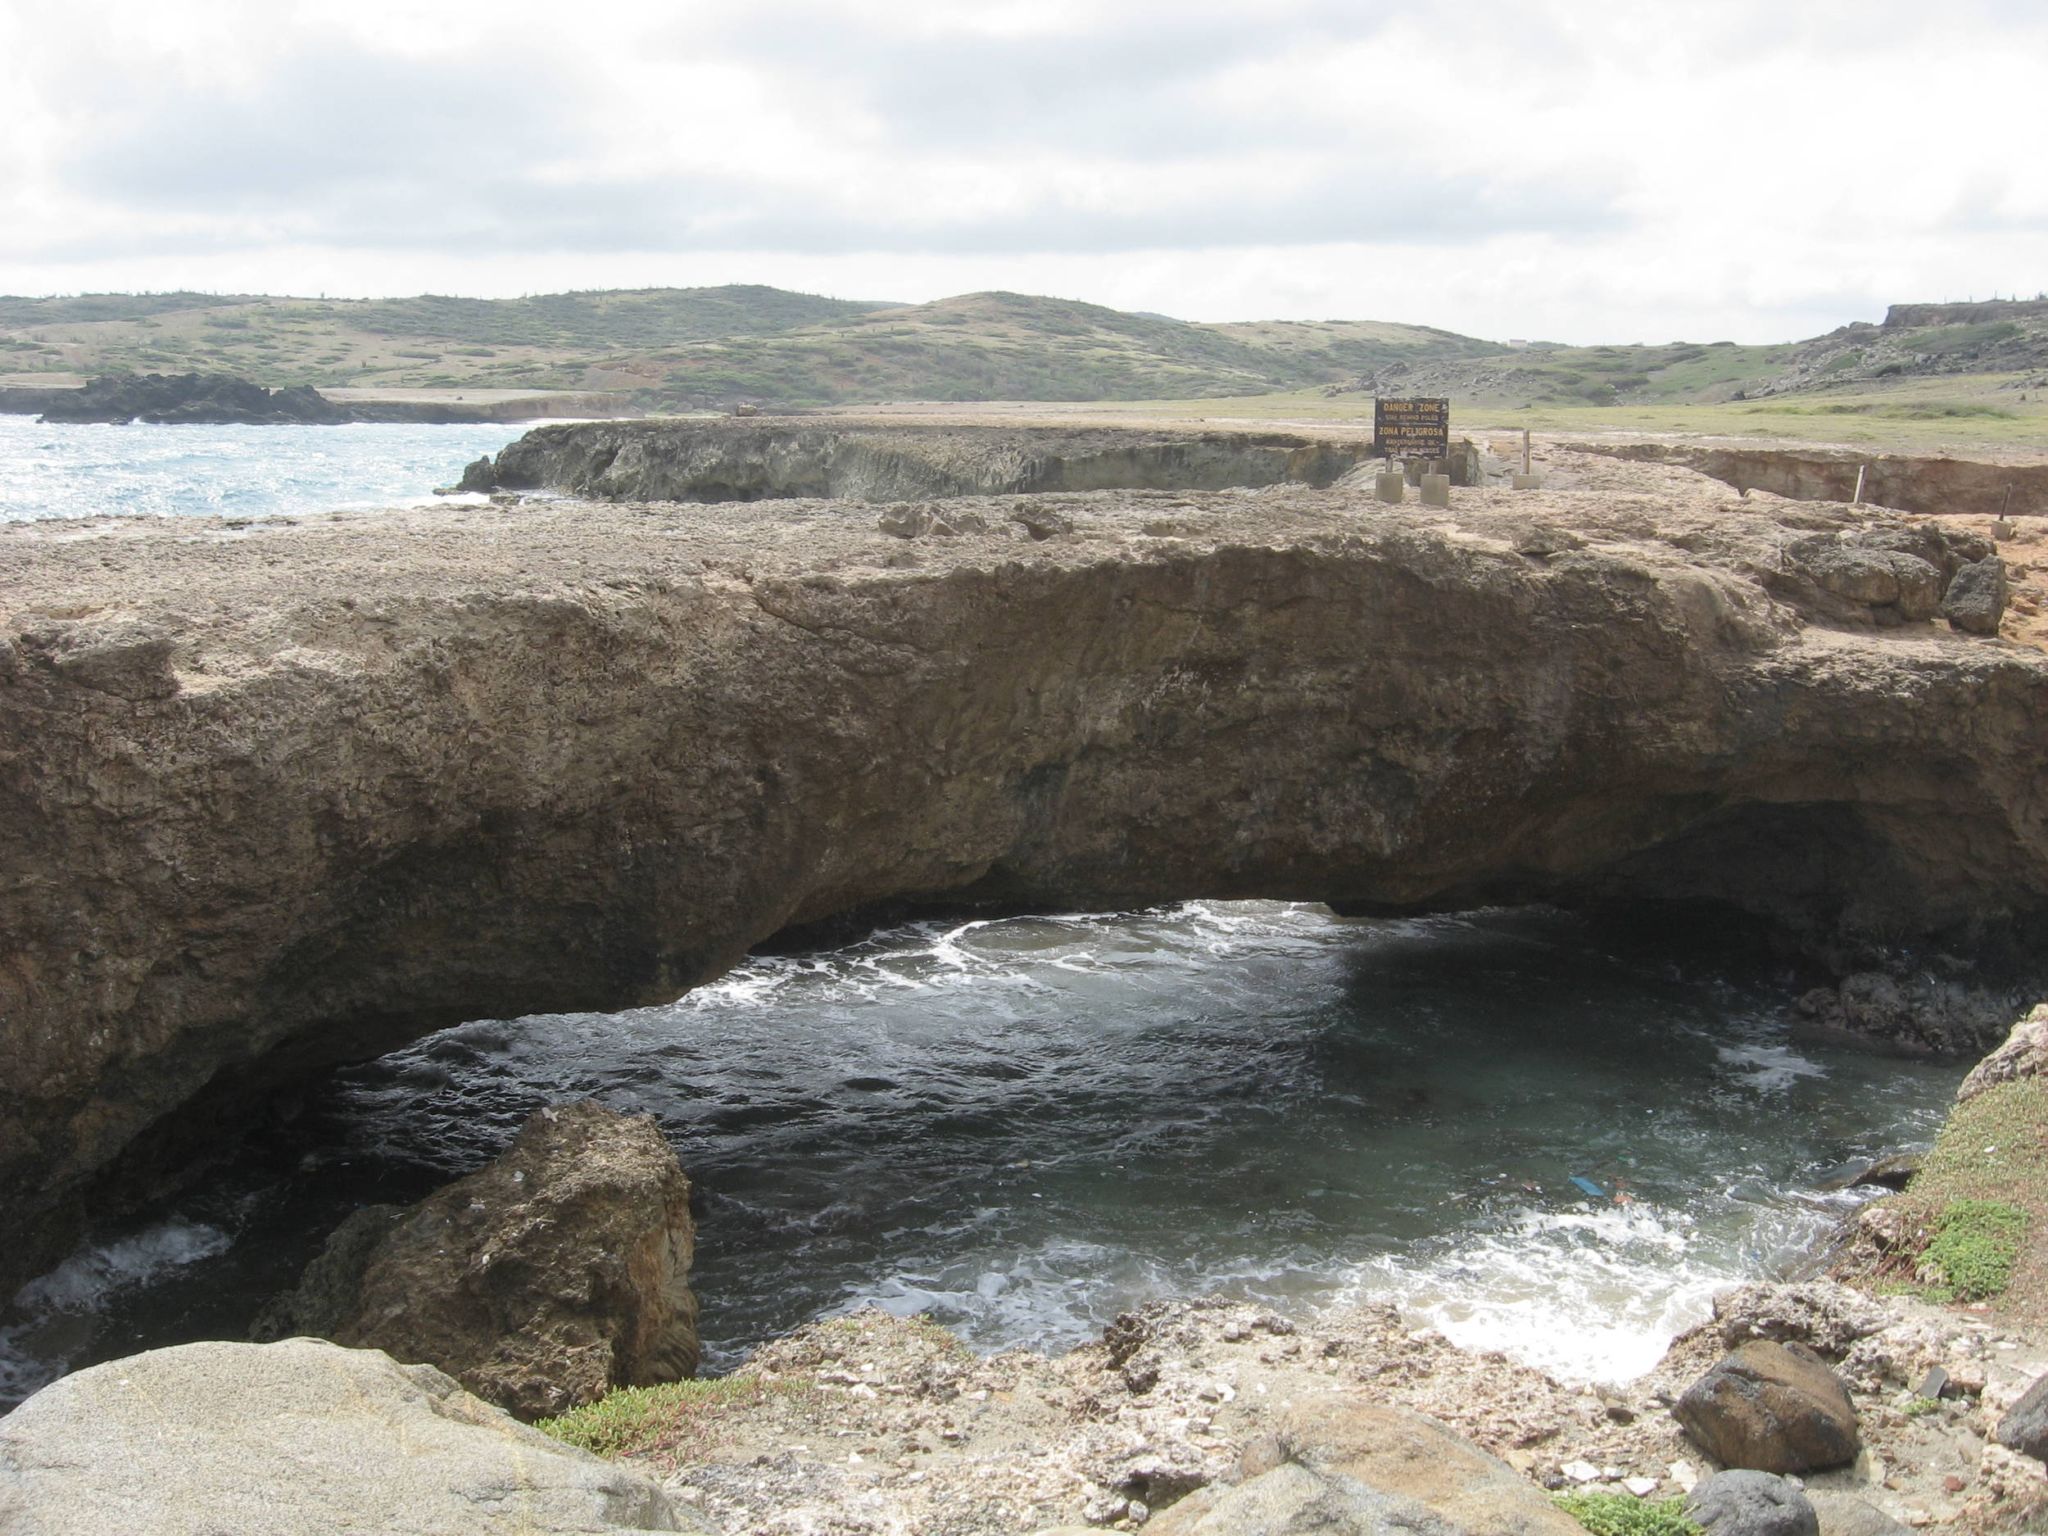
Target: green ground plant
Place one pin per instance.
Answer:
(1974, 1247)
(1623, 1514)
(1979, 1209)
(656, 1421)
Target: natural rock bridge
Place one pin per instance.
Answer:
(277, 796)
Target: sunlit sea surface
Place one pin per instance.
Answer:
(72, 470)
(1025, 1126)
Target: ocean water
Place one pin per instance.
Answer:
(83, 470)
(1028, 1125)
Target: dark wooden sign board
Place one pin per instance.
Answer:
(1412, 429)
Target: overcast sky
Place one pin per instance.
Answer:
(1632, 171)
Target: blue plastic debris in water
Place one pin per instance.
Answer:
(1590, 1187)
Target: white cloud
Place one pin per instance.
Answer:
(1744, 170)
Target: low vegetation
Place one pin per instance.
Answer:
(1974, 1247)
(681, 348)
(1979, 1207)
(1623, 1514)
(1938, 375)
(665, 1422)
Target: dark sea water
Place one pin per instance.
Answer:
(1024, 1126)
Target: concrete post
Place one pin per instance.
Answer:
(1390, 485)
(1525, 481)
(1436, 490)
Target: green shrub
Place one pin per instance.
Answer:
(636, 1420)
(1623, 1514)
(1975, 1245)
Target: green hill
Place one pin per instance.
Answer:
(676, 348)
(1008, 346)
(680, 348)
(592, 340)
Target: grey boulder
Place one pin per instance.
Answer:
(1360, 1469)
(2025, 1425)
(1843, 1514)
(301, 1438)
(1976, 598)
(1751, 1504)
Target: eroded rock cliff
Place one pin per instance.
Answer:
(277, 796)
(1934, 484)
(753, 460)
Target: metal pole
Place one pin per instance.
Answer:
(1860, 469)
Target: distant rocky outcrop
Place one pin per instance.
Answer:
(219, 399)
(1995, 336)
(1899, 317)
(301, 1438)
(542, 1281)
(214, 398)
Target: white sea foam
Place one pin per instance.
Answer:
(1588, 1294)
(84, 1282)
(56, 1309)
(1767, 1068)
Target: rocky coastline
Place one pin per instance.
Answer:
(571, 723)
(247, 767)
(762, 459)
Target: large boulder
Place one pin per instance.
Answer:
(2024, 1054)
(296, 1439)
(1976, 598)
(1843, 1514)
(2025, 1425)
(541, 1281)
(1771, 1407)
(1751, 1504)
(1355, 1466)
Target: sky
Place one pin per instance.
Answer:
(1632, 170)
